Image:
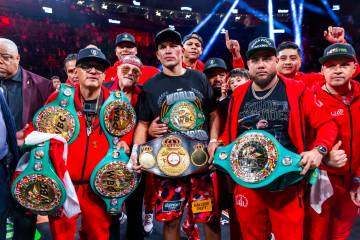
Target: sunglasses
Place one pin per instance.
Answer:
(87, 67)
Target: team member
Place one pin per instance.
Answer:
(193, 45)
(87, 150)
(282, 107)
(339, 96)
(125, 44)
(176, 82)
(128, 74)
(69, 67)
(238, 77)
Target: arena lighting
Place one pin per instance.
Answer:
(104, 6)
(80, 2)
(186, 9)
(279, 30)
(283, 10)
(114, 21)
(331, 13)
(172, 27)
(47, 10)
(216, 33)
(262, 16)
(297, 20)
(203, 22)
(187, 16)
(158, 13)
(314, 8)
(235, 11)
(223, 31)
(271, 20)
(136, 3)
(336, 7)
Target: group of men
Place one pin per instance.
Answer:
(311, 114)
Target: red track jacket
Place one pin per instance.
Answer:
(302, 110)
(346, 117)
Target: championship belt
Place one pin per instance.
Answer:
(59, 116)
(256, 159)
(173, 155)
(183, 116)
(38, 188)
(111, 180)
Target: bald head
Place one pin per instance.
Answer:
(9, 58)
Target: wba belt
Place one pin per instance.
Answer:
(256, 159)
(111, 180)
(38, 188)
(59, 116)
(173, 155)
(182, 116)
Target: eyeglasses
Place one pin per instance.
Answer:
(125, 70)
(87, 67)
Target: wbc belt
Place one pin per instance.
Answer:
(256, 159)
(173, 155)
(111, 180)
(183, 116)
(59, 116)
(38, 188)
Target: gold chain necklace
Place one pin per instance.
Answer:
(267, 94)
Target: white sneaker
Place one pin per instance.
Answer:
(148, 223)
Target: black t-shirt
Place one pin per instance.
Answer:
(192, 86)
(270, 114)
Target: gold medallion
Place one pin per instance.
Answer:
(114, 180)
(57, 120)
(38, 192)
(119, 118)
(199, 157)
(173, 159)
(183, 116)
(146, 157)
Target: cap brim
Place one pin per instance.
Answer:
(264, 49)
(214, 67)
(103, 62)
(122, 41)
(323, 60)
(168, 36)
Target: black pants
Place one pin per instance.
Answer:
(133, 205)
(24, 223)
(5, 200)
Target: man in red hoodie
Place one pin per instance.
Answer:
(193, 45)
(281, 107)
(339, 96)
(125, 44)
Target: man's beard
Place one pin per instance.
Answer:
(264, 82)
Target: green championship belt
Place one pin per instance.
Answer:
(59, 116)
(256, 159)
(38, 188)
(183, 116)
(111, 180)
(174, 155)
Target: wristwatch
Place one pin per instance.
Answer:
(322, 150)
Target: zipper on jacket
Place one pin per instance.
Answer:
(229, 116)
(351, 136)
(301, 123)
(85, 157)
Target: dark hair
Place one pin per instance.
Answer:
(242, 72)
(288, 45)
(55, 77)
(70, 57)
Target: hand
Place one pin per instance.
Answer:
(134, 160)
(337, 156)
(355, 193)
(157, 129)
(211, 150)
(20, 136)
(335, 35)
(310, 160)
(123, 144)
(224, 90)
(232, 45)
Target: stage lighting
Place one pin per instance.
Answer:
(47, 10)
(158, 13)
(104, 6)
(223, 31)
(172, 27)
(283, 10)
(187, 16)
(271, 20)
(279, 30)
(235, 11)
(186, 9)
(114, 21)
(336, 7)
(136, 3)
(80, 2)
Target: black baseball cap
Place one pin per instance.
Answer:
(194, 35)
(167, 34)
(338, 50)
(124, 37)
(214, 63)
(92, 54)
(261, 44)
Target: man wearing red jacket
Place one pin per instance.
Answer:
(339, 96)
(125, 45)
(87, 150)
(281, 107)
(193, 45)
